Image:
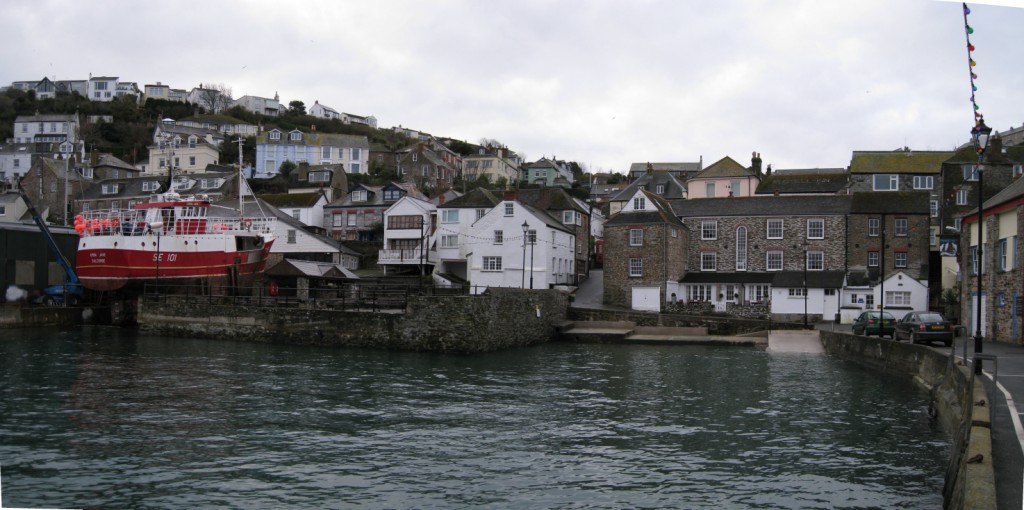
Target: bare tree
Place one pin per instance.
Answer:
(215, 97)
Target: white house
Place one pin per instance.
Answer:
(46, 128)
(408, 225)
(294, 241)
(323, 112)
(101, 88)
(901, 292)
(306, 208)
(451, 238)
(515, 245)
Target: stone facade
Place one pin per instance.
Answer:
(499, 319)
(1001, 288)
(794, 234)
(661, 254)
(866, 232)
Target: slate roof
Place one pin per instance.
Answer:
(815, 279)
(898, 162)
(674, 188)
(763, 206)
(558, 199)
(900, 202)
(310, 269)
(293, 199)
(547, 218)
(474, 199)
(725, 167)
(814, 181)
(1014, 190)
(679, 168)
(715, 277)
(661, 213)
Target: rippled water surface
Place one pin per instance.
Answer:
(104, 417)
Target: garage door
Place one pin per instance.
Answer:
(647, 299)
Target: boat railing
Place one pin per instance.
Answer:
(132, 223)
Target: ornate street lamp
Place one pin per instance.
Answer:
(980, 134)
(526, 228)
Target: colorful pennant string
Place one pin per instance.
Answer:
(971, 64)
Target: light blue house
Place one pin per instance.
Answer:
(275, 147)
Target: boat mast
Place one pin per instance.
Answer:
(241, 177)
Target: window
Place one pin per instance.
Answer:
(816, 228)
(492, 264)
(698, 293)
(509, 208)
(449, 216)
(830, 292)
(797, 293)
(815, 260)
(660, 189)
(571, 218)
(325, 153)
(639, 203)
(757, 293)
(355, 168)
(709, 190)
(208, 183)
(414, 157)
(405, 222)
(355, 152)
(150, 185)
(291, 236)
(775, 228)
(326, 176)
(974, 260)
(900, 259)
(924, 182)
(450, 241)
(957, 223)
(191, 161)
(897, 298)
(296, 213)
(351, 219)
(774, 261)
(391, 195)
(873, 257)
(531, 237)
(636, 237)
(359, 195)
(874, 227)
(970, 172)
(109, 189)
(886, 182)
(933, 208)
(709, 229)
(741, 249)
(499, 237)
(902, 227)
(1002, 262)
(636, 267)
(192, 142)
(336, 220)
(708, 261)
(961, 196)
(295, 136)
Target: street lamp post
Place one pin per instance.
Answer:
(526, 228)
(980, 133)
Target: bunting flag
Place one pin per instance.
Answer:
(971, 64)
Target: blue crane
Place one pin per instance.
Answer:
(69, 292)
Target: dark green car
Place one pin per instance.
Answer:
(875, 323)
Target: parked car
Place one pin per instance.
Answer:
(875, 323)
(925, 327)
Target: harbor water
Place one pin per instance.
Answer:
(102, 417)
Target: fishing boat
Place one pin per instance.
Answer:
(170, 238)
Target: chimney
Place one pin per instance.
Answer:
(509, 195)
(995, 148)
(543, 198)
(440, 199)
(755, 164)
(650, 168)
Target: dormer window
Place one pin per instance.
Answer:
(321, 176)
(182, 185)
(85, 171)
(359, 195)
(177, 141)
(192, 140)
(110, 189)
(392, 194)
(414, 156)
(275, 135)
(209, 183)
(150, 186)
(295, 136)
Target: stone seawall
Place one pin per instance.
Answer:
(715, 324)
(497, 319)
(13, 316)
(961, 405)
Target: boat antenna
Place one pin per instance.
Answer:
(242, 185)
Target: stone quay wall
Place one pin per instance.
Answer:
(497, 319)
(958, 400)
(716, 324)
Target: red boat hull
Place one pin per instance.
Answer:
(104, 267)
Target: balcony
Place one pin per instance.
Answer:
(410, 257)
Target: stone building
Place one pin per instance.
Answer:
(1000, 269)
(766, 250)
(644, 247)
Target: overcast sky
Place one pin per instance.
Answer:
(604, 83)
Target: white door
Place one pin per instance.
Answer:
(647, 299)
(974, 311)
